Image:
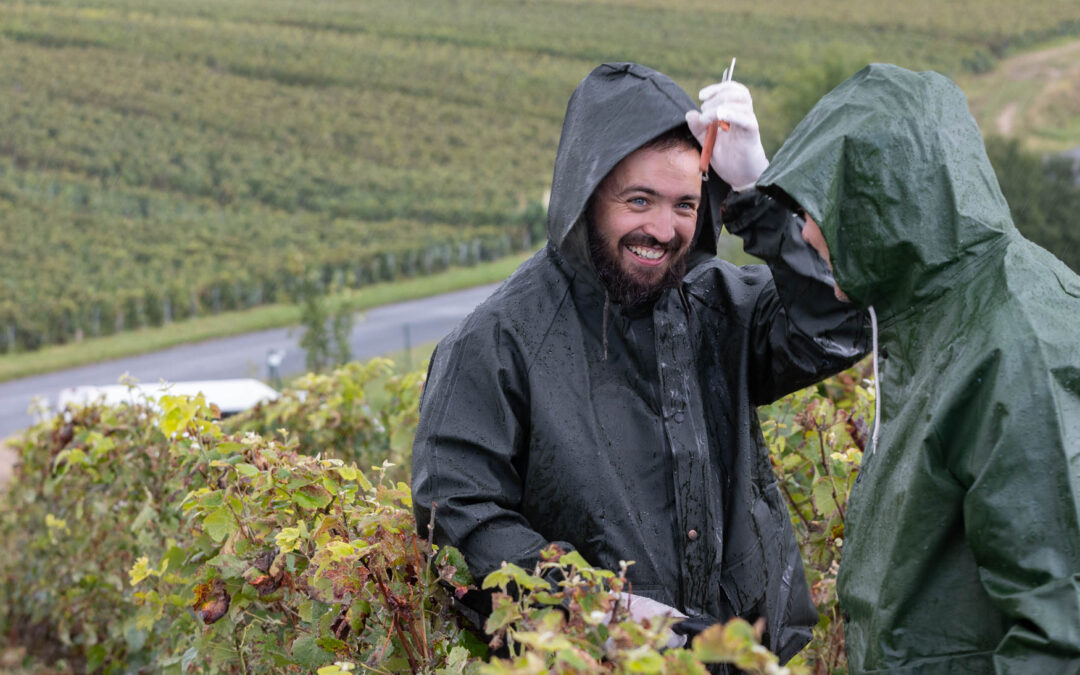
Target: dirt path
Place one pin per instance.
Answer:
(1034, 96)
(1005, 122)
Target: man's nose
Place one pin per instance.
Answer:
(662, 227)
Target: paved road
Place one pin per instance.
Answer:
(376, 332)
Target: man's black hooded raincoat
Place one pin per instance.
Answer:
(553, 416)
(962, 541)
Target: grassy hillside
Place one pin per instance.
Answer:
(1033, 97)
(164, 159)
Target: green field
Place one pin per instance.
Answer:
(92, 350)
(161, 160)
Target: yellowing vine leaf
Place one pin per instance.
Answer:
(140, 570)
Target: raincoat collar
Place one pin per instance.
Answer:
(893, 168)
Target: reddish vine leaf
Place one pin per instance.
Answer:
(211, 601)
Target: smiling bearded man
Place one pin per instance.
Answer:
(603, 398)
(643, 217)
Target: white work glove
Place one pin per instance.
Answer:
(738, 157)
(642, 608)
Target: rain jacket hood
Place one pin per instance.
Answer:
(614, 111)
(962, 537)
(892, 167)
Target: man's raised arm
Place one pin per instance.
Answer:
(801, 331)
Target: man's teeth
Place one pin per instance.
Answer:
(647, 253)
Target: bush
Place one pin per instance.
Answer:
(581, 625)
(816, 439)
(360, 413)
(146, 539)
(159, 538)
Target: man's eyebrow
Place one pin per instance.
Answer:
(649, 191)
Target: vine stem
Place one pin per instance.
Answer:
(825, 463)
(290, 612)
(397, 624)
(791, 500)
(240, 652)
(422, 623)
(239, 522)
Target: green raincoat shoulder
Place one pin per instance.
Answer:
(553, 416)
(962, 542)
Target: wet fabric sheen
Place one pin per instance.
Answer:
(962, 541)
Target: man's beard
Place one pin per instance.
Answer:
(626, 288)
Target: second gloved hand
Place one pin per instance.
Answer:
(738, 156)
(642, 609)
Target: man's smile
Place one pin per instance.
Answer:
(647, 255)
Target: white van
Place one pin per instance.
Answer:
(230, 396)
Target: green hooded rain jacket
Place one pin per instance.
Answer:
(962, 543)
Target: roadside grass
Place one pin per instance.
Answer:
(72, 355)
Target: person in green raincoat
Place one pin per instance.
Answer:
(961, 551)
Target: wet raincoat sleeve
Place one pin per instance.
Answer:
(469, 456)
(1021, 520)
(801, 332)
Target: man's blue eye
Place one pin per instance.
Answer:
(638, 201)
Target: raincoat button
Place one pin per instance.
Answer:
(678, 417)
(692, 535)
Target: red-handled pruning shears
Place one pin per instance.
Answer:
(714, 127)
